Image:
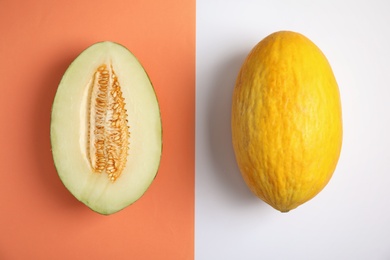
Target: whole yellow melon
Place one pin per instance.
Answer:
(286, 120)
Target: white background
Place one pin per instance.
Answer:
(350, 218)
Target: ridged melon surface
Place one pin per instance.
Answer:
(286, 120)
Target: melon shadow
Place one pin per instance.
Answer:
(220, 134)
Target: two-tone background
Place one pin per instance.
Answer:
(198, 207)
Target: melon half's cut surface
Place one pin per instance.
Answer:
(106, 130)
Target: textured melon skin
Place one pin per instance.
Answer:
(287, 127)
(68, 130)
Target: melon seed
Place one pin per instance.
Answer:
(107, 118)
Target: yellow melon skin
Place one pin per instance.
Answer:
(286, 120)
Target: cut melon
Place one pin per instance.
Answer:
(106, 132)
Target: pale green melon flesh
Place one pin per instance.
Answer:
(69, 130)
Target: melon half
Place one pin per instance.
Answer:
(106, 132)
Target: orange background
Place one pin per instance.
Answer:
(39, 218)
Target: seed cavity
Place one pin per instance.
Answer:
(108, 135)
